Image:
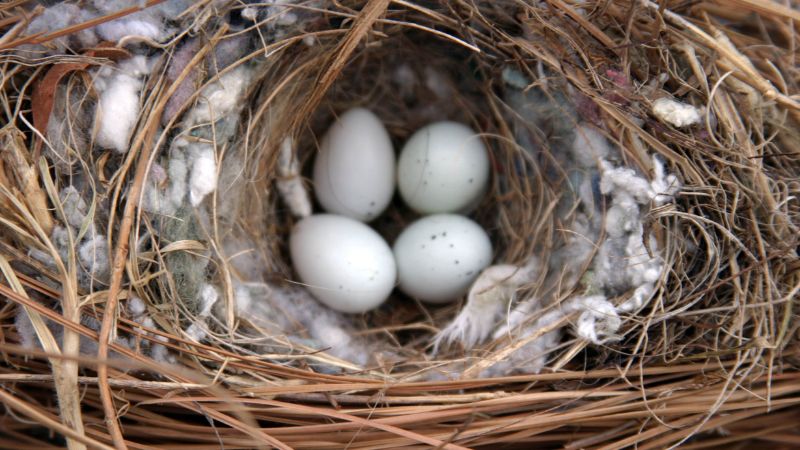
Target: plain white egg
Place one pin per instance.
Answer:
(439, 256)
(354, 173)
(443, 168)
(343, 262)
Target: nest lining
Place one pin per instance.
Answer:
(409, 80)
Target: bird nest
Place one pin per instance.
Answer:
(643, 209)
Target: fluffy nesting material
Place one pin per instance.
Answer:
(220, 98)
(208, 298)
(151, 23)
(203, 179)
(676, 113)
(119, 104)
(178, 174)
(198, 330)
(227, 51)
(91, 247)
(135, 306)
(621, 263)
(93, 255)
(192, 174)
(278, 14)
(87, 346)
(137, 310)
(69, 125)
(246, 258)
(168, 8)
(490, 296)
(329, 330)
(589, 146)
(145, 28)
(25, 329)
(75, 208)
(58, 17)
(598, 321)
(531, 357)
(290, 183)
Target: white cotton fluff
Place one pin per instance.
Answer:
(625, 181)
(676, 113)
(598, 321)
(93, 256)
(243, 298)
(165, 191)
(168, 8)
(589, 146)
(142, 26)
(118, 107)
(329, 329)
(515, 78)
(621, 263)
(158, 351)
(177, 172)
(74, 207)
(161, 353)
(664, 186)
(620, 181)
(531, 357)
(153, 199)
(208, 298)
(203, 179)
(637, 300)
(280, 13)
(290, 183)
(406, 80)
(220, 98)
(490, 295)
(136, 306)
(58, 17)
(250, 13)
(25, 329)
(150, 23)
(196, 331)
(246, 258)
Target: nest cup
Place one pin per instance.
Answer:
(409, 78)
(210, 310)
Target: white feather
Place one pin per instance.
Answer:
(489, 296)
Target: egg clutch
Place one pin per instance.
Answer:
(442, 173)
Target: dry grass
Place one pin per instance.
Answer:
(712, 361)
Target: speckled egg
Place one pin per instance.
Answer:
(443, 168)
(354, 172)
(439, 256)
(344, 263)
